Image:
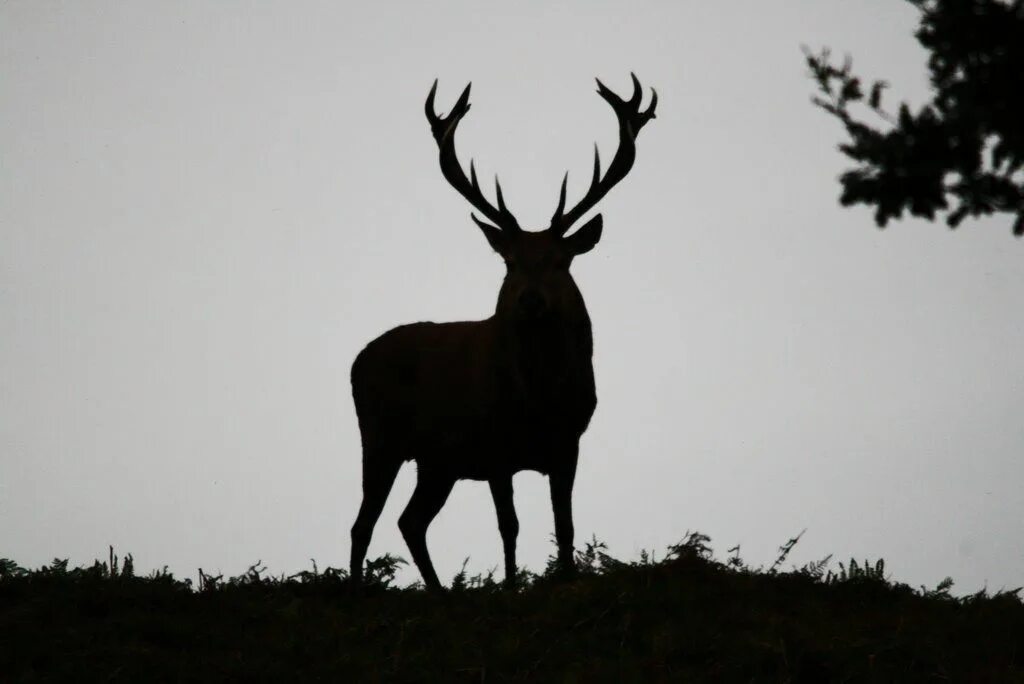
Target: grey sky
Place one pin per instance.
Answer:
(207, 209)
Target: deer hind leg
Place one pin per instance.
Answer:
(431, 492)
(378, 477)
(508, 523)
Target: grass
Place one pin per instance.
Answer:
(685, 617)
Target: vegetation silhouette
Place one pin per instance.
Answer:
(682, 617)
(966, 145)
(483, 400)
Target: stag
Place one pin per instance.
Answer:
(483, 400)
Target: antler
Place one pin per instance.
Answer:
(443, 129)
(631, 120)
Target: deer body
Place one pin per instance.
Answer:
(473, 402)
(483, 400)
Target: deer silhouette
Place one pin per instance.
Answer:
(483, 400)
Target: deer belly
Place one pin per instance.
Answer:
(479, 446)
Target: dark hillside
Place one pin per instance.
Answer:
(684, 618)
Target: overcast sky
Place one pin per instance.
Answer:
(207, 209)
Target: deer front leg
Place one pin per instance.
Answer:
(561, 481)
(508, 523)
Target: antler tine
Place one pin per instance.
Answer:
(631, 120)
(561, 199)
(443, 130)
(501, 200)
(463, 101)
(429, 106)
(638, 93)
(472, 176)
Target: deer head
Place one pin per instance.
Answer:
(537, 285)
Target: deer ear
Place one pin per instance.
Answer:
(584, 239)
(495, 236)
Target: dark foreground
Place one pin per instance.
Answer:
(684, 618)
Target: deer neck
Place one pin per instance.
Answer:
(546, 353)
